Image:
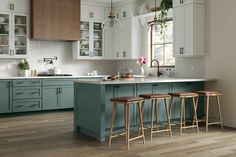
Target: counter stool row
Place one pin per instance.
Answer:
(139, 101)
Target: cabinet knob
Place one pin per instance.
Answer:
(91, 15)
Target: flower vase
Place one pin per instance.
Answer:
(141, 71)
(25, 73)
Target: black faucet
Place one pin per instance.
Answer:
(158, 67)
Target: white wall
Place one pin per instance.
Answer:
(63, 50)
(221, 54)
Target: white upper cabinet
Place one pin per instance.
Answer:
(22, 6)
(189, 28)
(124, 11)
(92, 12)
(127, 39)
(177, 3)
(15, 5)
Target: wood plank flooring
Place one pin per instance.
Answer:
(51, 135)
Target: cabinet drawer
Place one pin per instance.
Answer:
(26, 105)
(23, 83)
(58, 82)
(26, 93)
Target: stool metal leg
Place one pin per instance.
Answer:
(141, 120)
(112, 122)
(207, 112)
(168, 118)
(219, 109)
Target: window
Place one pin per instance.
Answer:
(161, 44)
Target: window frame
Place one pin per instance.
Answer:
(151, 45)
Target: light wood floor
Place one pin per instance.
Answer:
(51, 135)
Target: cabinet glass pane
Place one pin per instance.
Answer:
(97, 39)
(84, 40)
(4, 34)
(20, 34)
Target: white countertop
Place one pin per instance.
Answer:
(49, 77)
(143, 80)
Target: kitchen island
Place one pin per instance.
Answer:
(93, 109)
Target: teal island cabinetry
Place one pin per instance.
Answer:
(92, 108)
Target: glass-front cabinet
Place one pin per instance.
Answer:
(4, 34)
(91, 42)
(20, 35)
(13, 35)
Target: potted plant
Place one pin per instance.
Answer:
(164, 8)
(24, 68)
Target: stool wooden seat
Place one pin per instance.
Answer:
(207, 95)
(127, 101)
(154, 101)
(183, 96)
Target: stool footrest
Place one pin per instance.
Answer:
(160, 130)
(137, 137)
(192, 126)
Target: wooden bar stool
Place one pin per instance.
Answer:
(127, 101)
(154, 101)
(183, 96)
(207, 95)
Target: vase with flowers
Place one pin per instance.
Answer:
(141, 61)
(24, 68)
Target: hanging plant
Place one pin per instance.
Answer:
(164, 8)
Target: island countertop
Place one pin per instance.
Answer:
(143, 80)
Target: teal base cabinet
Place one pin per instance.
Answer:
(58, 94)
(58, 97)
(27, 94)
(5, 96)
(93, 108)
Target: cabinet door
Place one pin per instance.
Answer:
(5, 96)
(153, 89)
(108, 40)
(5, 34)
(4, 5)
(50, 97)
(177, 87)
(97, 40)
(20, 34)
(67, 97)
(178, 30)
(188, 30)
(84, 48)
(21, 5)
(96, 13)
(119, 91)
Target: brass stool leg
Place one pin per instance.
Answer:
(112, 122)
(219, 109)
(181, 114)
(152, 110)
(156, 102)
(207, 112)
(168, 118)
(141, 120)
(128, 124)
(195, 113)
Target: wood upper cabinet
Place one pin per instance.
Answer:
(55, 19)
